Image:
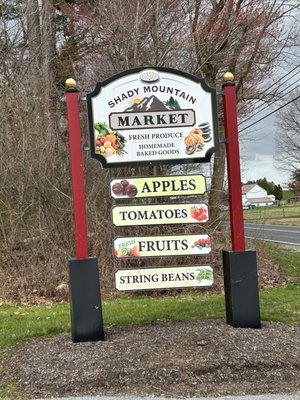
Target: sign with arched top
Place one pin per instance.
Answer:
(148, 116)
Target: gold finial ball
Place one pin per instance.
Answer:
(70, 83)
(228, 77)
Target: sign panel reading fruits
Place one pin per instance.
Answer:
(159, 214)
(149, 116)
(164, 277)
(158, 186)
(159, 246)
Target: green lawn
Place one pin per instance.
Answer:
(22, 323)
(287, 194)
(19, 323)
(273, 212)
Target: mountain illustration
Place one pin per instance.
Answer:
(151, 103)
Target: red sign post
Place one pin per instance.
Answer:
(86, 310)
(77, 174)
(233, 169)
(240, 271)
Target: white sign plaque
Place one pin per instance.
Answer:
(164, 278)
(135, 120)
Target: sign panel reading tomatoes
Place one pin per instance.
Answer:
(159, 246)
(154, 186)
(159, 214)
(149, 116)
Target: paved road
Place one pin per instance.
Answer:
(257, 397)
(289, 235)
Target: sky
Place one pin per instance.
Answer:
(257, 143)
(257, 153)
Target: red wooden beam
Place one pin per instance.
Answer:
(76, 170)
(233, 168)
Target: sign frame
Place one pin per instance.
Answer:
(205, 87)
(164, 193)
(156, 208)
(184, 235)
(170, 267)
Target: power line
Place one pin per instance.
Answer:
(275, 101)
(285, 80)
(259, 108)
(274, 111)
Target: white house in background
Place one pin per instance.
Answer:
(255, 196)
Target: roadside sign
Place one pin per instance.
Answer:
(173, 277)
(150, 116)
(159, 214)
(154, 186)
(163, 245)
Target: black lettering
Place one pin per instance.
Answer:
(142, 215)
(178, 277)
(148, 119)
(156, 185)
(192, 184)
(184, 213)
(169, 214)
(122, 280)
(151, 246)
(146, 188)
(174, 188)
(160, 119)
(117, 100)
(184, 185)
(165, 185)
(171, 277)
(123, 213)
(136, 121)
(183, 117)
(175, 242)
(173, 118)
(123, 121)
(160, 245)
(141, 246)
(184, 244)
(164, 277)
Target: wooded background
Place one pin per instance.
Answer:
(44, 42)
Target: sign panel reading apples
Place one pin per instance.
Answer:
(149, 116)
(154, 186)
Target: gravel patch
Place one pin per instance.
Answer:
(167, 358)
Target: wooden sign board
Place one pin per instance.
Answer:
(163, 245)
(154, 186)
(173, 277)
(160, 214)
(148, 116)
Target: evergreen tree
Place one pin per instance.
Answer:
(278, 192)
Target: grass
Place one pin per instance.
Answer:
(22, 323)
(273, 213)
(287, 194)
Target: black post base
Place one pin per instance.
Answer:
(86, 309)
(241, 289)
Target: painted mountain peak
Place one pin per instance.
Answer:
(152, 103)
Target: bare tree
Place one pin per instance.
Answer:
(244, 37)
(288, 135)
